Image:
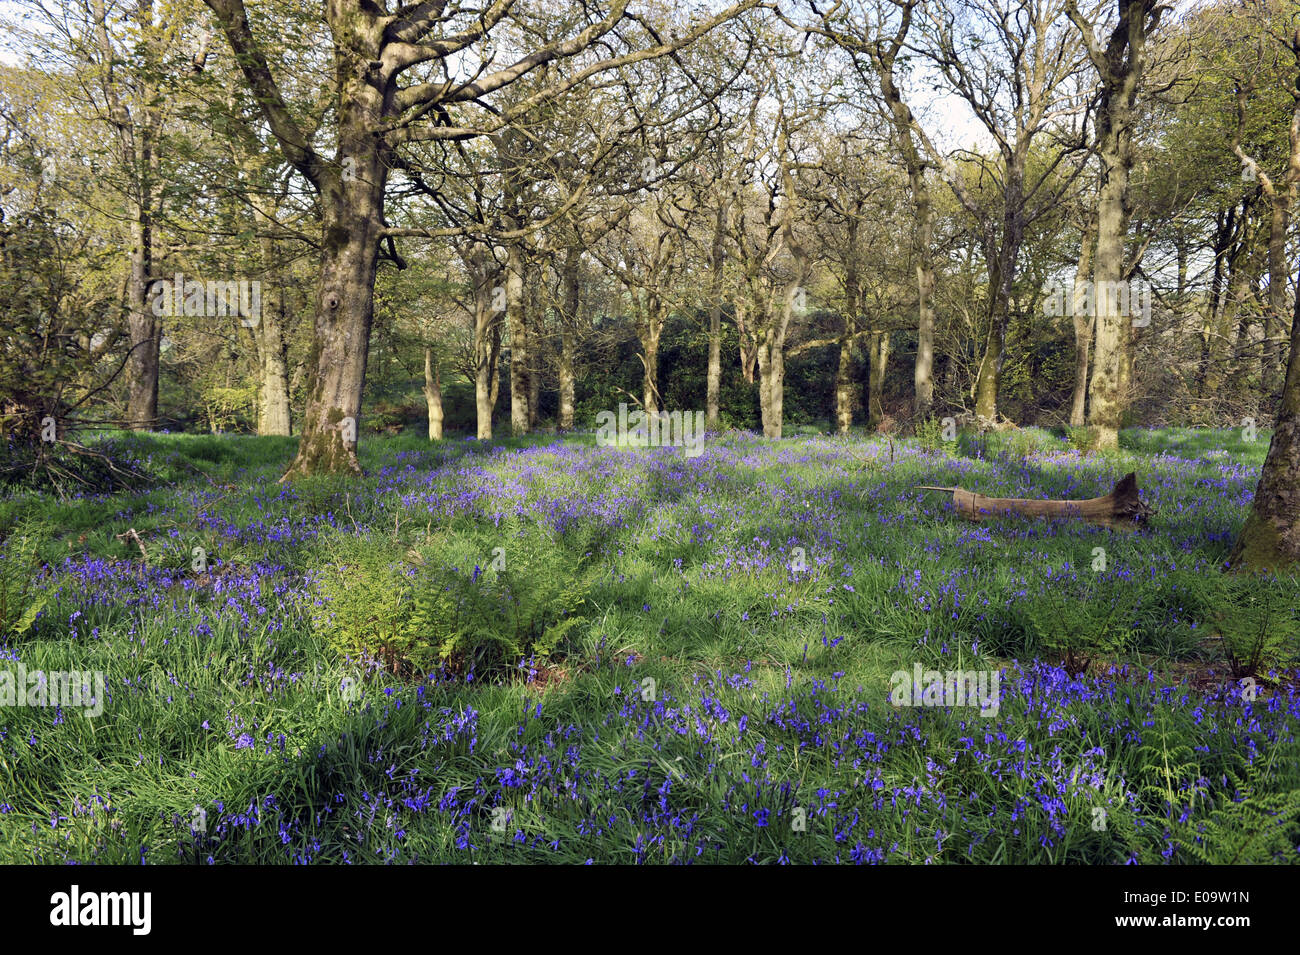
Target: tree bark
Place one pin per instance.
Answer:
(1274, 327)
(488, 300)
(1082, 315)
(923, 374)
(844, 387)
(568, 332)
(1225, 226)
(878, 364)
(717, 258)
(748, 345)
(145, 330)
(433, 395)
(1120, 66)
(345, 305)
(515, 318)
(1121, 508)
(267, 332)
(852, 306)
(273, 411)
(651, 329)
(532, 324)
(1270, 539)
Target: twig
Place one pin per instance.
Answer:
(144, 554)
(132, 535)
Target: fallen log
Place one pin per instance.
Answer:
(1121, 508)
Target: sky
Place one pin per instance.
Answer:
(946, 117)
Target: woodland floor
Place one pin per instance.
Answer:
(548, 651)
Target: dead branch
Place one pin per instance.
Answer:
(1121, 508)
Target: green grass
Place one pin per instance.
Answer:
(778, 584)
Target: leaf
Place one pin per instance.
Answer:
(27, 619)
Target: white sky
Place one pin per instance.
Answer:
(946, 117)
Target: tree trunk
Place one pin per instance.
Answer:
(714, 386)
(1239, 319)
(1120, 66)
(748, 346)
(1082, 317)
(145, 330)
(532, 324)
(1104, 389)
(1121, 508)
(878, 364)
(923, 377)
(494, 375)
(345, 305)
(1270, 539)
(1128, 337)
(852, 305)
(489, 301)
(1274, 326)
(267, 332)
(650, 329)
(568, 332)
(986, 380)
(273, 412)
(1222, 240)
(884, 57)
(844, 387)
(433, 395)
(1002, 259)
(515, 318)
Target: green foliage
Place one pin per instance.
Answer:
(104, 465)
(49, 283)
(1257, 827)
(1080, 438)
(1256, 619)
(228, 407)
(929, 433)
(22, 592)
(446, 604)
(1015, 443)
(712, 611)
(1078, 623)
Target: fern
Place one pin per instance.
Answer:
(1253, 830)
(21, 600)
(433, 610)
(1082, 626)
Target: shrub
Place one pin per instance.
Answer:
(1256, 621)
(443, 606)
(929, 433)
(1081, 439)
(22, 597)
(1083, 623)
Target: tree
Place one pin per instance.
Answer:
(869, 38)
(1119, 65)
(1271, 536)
(378, 112)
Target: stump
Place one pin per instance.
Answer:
(1121, 508)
